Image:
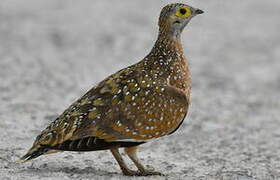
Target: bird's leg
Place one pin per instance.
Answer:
(132, 154)
(126, 171)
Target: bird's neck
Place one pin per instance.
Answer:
(168, 32)
(167, 59)
(168, 47)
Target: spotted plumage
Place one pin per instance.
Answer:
(147, 100)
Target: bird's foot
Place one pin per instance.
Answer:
(128, 172)
(150, 173)
(142, 173)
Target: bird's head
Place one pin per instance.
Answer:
(174, 18)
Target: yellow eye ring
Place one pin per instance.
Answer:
(183, 12)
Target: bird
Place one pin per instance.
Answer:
(133, 106)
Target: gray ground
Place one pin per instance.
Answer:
(53, 51)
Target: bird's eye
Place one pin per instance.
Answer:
(183, 12)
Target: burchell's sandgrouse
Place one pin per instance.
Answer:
(147, 100)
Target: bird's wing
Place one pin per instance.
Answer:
(155, 112)
(128, 105)
(135, 107)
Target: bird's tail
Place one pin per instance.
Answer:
(33, 153)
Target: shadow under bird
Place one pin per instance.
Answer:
(147, 100)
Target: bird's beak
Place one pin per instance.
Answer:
(198, 11)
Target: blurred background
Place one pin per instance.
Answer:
(52, 52)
